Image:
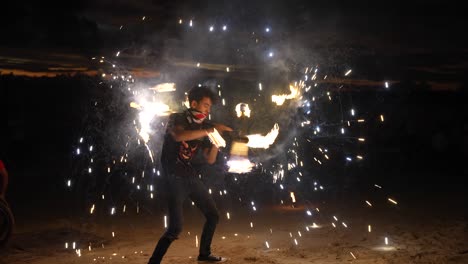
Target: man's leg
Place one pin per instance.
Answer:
(176, 196)
(203, 200)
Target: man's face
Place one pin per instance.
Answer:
(204, 105)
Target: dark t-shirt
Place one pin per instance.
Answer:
(183, 158)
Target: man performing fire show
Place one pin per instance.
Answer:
(187, 135)
(341, 134)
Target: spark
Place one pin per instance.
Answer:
(381, 118)
(369, 203)
(369, 228)
(293, 197)
(392, 201)
(348, 72)
(352, 254)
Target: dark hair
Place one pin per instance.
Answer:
(198, 92)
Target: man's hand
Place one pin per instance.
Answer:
(221, 128)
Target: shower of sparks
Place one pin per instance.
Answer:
(312, 93)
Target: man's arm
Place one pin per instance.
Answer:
(179, 134)
(211, 154)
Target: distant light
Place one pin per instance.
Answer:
(342, 130)
(198, 64)
(227, 69)
(180, 21)
(352, 112)
(211, 28)
(348, 159)
(267, 29)
(190, 24)
(224, 28)
(270, 54)
(386, 85)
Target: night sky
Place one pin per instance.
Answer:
(421, 40)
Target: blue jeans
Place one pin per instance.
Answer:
(180, 188)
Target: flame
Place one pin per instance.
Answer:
(259, 141)
(240, 165)
(216, 139)
(279, 99)
(164, 87)
(246, 111)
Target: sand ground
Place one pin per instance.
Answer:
(421, 230)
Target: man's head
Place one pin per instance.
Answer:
(201, 98)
